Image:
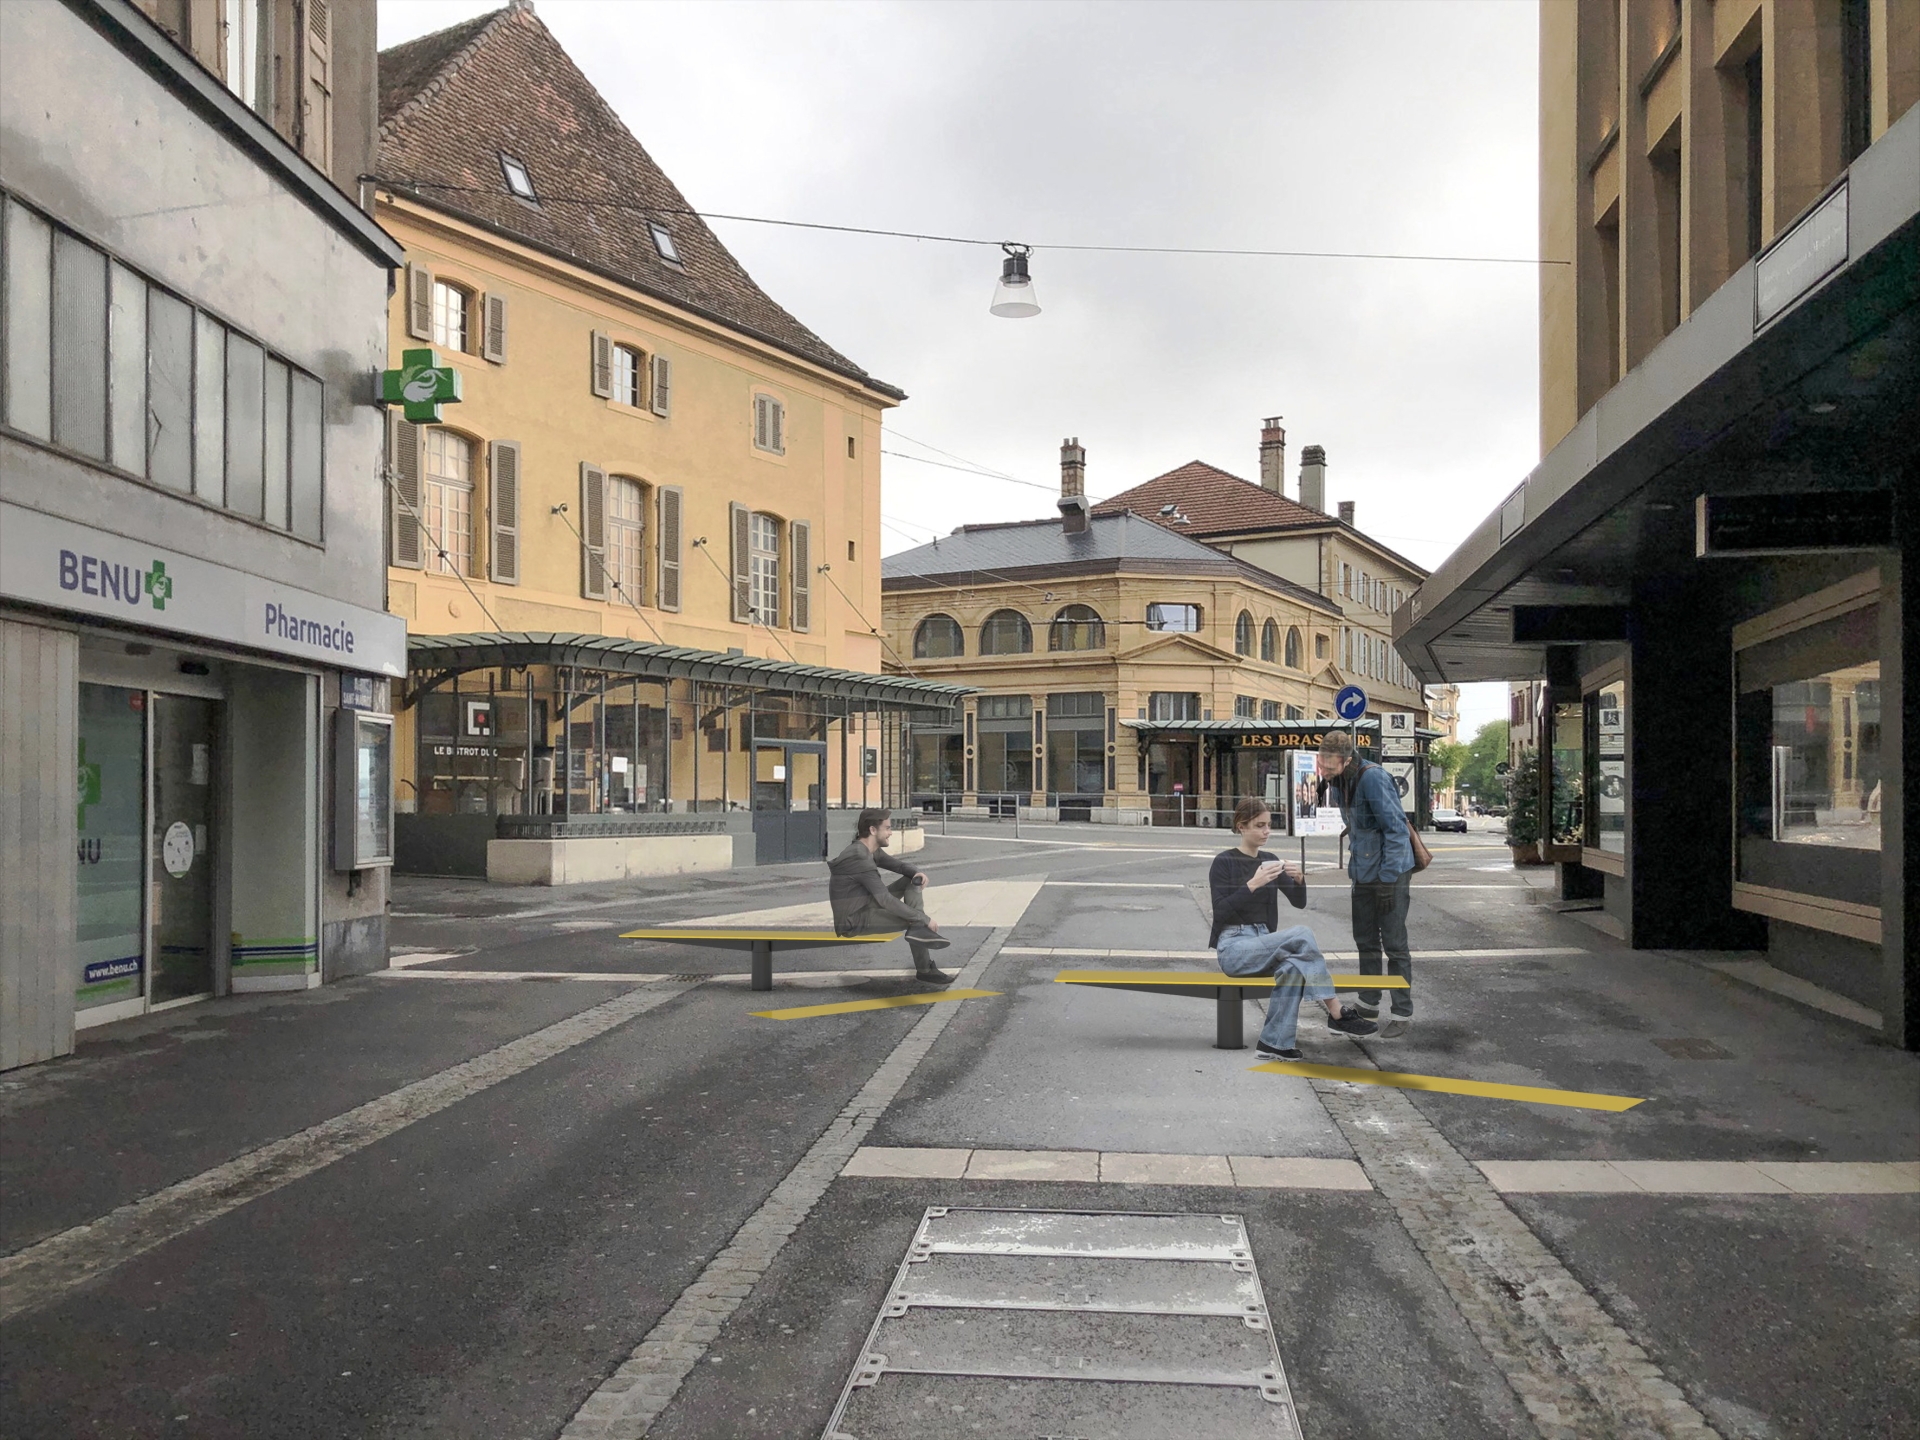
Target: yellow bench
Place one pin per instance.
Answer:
(1228, 992)
(760, 942)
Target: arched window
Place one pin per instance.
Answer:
(1243, 634)
(1269, 641)
(938, 637)
(446, 500)
(1077, 627)
(1293, 649)
(1006, 633)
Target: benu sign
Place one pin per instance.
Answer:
(421, 386)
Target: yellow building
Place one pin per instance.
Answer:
(1677, 139)
(1126, 672)
(1298, 540)
(648, 454)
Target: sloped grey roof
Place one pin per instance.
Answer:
(1110, 545)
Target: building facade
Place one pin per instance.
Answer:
(191, 585)
(1126, 673)
(647, 452)
(1707, 573)
(1300, 541)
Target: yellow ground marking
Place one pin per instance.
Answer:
(1202, 977)
(847, 1007)
(747, 936)
(1574, 1099)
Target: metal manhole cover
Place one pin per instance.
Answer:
(1102, 1325)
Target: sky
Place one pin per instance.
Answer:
(1376, 126)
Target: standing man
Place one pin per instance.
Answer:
(863, 903)
(1380, 862)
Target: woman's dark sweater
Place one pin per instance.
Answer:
(1234, 904)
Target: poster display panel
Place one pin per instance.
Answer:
(1308, 812)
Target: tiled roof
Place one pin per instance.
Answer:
(451, 102)
(1111, 544)
(1215, 502)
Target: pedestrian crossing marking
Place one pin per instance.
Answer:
(1440, 1084)
(847, 1007)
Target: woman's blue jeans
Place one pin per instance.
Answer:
(1298, 968)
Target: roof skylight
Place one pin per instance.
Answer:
(518, 180)
(663, 242)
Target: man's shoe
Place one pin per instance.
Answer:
(1351, 1025)
(1396, 1027)
(1360, 1008)
(1265, 1052)
(932, 939)
(932, 976)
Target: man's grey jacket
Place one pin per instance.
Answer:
(857, 889)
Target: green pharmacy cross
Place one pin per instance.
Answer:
(421, 385)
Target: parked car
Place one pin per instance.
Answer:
(1497, 811)
(1449, 820)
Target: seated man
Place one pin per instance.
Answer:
(863, 903)
(1248, 940)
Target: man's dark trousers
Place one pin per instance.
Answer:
(1380, 933)
(874, 919)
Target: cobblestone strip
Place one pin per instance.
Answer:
(628, 1401)
(45, 1270)
(1577, 1372)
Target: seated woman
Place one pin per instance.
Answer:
(1247, 883)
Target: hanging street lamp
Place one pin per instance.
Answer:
(1013, 297)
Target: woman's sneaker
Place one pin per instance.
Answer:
(1351, 1024)
(1266, 1052)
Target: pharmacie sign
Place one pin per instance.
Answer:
(68, 566)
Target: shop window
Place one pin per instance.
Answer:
(1809, 774)
(938, 637)
(1606, 750)
(1184, 619)
(1076, 743)
(1269, 709)
(1077, 627)
(1004, 744)
(1006, 632)
(1568, 825)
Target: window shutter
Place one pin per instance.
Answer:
(493, 328)
(593, 531)
(419, 302)
(602, 365)
(760, 421)
(742, 583)
(801, 545)
(405, 445)
(662, 385)
(668, 567)
(504, 470)
(316, 120)
(776, 426)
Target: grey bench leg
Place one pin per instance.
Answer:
(763, 964)
(1228, 1003)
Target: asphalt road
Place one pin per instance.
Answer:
(482, 1269)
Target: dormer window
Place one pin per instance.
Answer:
(518, 180)
(663, 242)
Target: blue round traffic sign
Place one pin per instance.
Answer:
(1350, 703)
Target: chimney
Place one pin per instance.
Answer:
(1313, 478)
(1073, 487)
(1346, 512)
(1273, 456)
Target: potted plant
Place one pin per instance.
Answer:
(1523, 808)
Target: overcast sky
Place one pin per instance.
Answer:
(1404, 126)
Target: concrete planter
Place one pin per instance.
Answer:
(1526, 855)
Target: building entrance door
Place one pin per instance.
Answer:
(789, 802)
(1171, 774)
(180, 897)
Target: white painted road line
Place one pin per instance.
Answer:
(1245, 1172)
(609, 977)
(45, 1270)
(1702, 1177)
(627, 1402)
